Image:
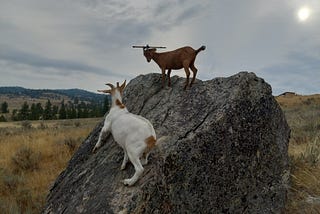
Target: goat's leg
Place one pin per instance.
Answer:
(163, 76)
(102, 135)
(125, 160)
(186, 69)
(169, 78)
(194, 70)
(134, 158)
(144, 159)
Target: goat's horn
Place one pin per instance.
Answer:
(110, 85)
(118, 85)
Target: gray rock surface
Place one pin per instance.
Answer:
(225, 152)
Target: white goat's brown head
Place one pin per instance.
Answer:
(113, 88)
(148, 53)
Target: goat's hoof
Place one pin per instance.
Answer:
(128, 182)
(144, 162)
(123, 167)
(94, 150)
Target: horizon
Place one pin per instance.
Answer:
(96, 92)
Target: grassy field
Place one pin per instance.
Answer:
(32, 157)
(303, 116)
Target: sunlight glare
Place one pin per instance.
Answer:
(304, 13)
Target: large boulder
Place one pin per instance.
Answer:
(225, 152)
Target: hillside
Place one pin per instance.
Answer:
(16, 97)
(303, 116)
(51, 93)
(295, 100)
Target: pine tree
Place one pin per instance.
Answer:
(3, 119)
(24, 112)
(14, 115)
(39, 111)
(4, 107)
(55, 110)
(33, 112)
(47, 113)
(79, 112)
(85, 112)
(62, 111)
(71, 112)
(106, 105)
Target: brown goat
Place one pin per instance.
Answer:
(177, 59)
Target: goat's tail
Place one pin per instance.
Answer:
(152, 142)
(202, 48)
(162, 139)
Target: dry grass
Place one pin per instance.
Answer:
(31, 159)
(290, 101)
(303, 116)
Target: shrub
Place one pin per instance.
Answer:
(26, 124)
(3, 119)
(311, 154)
(24, 201)
(42, 126)
(26, 159)
(9, 182)
(8, 206)
(71, 143)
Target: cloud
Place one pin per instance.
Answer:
(93, 38)
(33, 60)
(296, 74)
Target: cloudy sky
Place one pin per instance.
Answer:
(86, 43)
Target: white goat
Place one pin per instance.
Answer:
(133, 133)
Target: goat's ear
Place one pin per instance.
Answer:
(123, 85)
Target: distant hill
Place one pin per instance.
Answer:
(291, 99)
(72, 94)
(77, 103)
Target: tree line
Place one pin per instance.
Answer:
(69, 110)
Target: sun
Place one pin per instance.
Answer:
(304, 14)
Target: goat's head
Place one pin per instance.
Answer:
(148, 53)
(113, 89)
